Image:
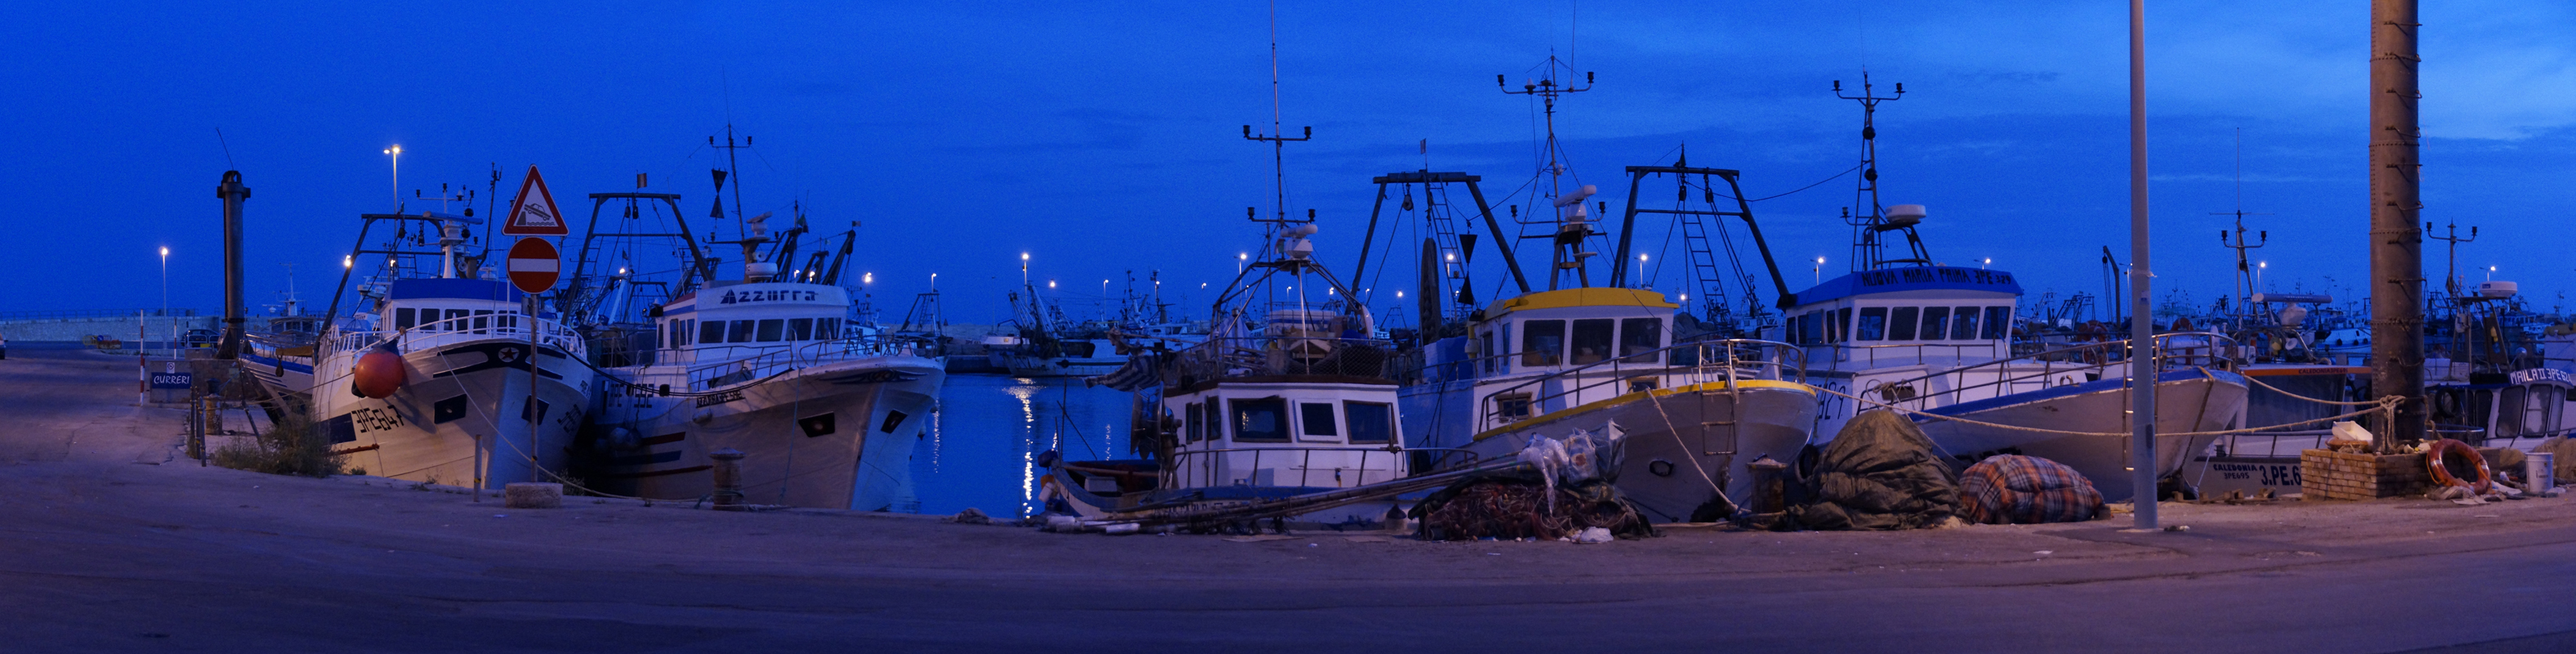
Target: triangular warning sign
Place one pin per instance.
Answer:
(534, 213)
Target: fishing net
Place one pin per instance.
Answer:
(1512, 506)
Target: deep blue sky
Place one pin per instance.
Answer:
(1107, 139)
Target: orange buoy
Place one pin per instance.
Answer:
(378, 375)
(2445, 451)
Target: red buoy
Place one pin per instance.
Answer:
(378, 374)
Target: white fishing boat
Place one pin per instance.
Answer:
(1937, 341)
(1580, 356)
(440, 375)
(775, 365)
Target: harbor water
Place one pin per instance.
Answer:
(981, 448)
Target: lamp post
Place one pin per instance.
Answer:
(1820, 271)
(1024, 270)
(165, 289)
(1240, 260)
(396, 153)
(1641, 272)
(2259, 266)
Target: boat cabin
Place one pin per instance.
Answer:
(1927, 315)
(733, 320)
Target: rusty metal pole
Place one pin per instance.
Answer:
(2396, 242)
(2142, 328)
(728, 474)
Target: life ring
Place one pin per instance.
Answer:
(2445, 448)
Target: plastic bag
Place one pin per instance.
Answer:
(2346, 430)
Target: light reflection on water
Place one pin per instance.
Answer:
(981, 448)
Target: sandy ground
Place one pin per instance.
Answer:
(111, 544)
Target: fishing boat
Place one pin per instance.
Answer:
(1606, 357)
(441, 374)
(1289, 398)
(1937, 341)
(772, 367)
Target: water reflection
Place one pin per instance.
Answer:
(981, 449)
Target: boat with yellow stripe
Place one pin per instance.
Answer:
(1688, 416)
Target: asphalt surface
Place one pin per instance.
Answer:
(110, 543)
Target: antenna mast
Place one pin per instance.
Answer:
(1573, 226)
(1869, 225)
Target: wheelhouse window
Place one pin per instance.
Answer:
(1542, 342)
(1998, 323)
(405, 318)
(457, 315)
(1900, 324)
(800, 329)
(1260, 421)
(1370, 422)
(1872, 325)
(482, 322)
(772, 329)
(828, 329)
(1193, 424)
(1840, 329)
(1963, 324)
(712, 331)
(1592, 338)
(741, 332)
(1638, 340)
(1315, 420)
(1811, 330)
(1936, 323)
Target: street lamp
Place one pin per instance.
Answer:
(1989, 262)
(1240, 260)
(165, 288)
(1820, 270)
(396, 153)
(934, 281)
(1641, 271)
(1024, 271)
(2258, 274)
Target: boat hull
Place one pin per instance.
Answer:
(464, 403)
(1680, 446)
(2186, 401)
(836, 435)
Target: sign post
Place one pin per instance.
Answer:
(534, 267)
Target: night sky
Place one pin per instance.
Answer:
(1103, 139)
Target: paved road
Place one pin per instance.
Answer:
(100, 553)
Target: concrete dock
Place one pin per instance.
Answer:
(114, 544)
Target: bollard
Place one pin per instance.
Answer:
(214, 416)
(1770, 485)
(728, 473)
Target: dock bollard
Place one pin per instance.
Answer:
(1770, 485)
(728, 473)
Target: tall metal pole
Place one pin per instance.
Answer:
(233, 193)
(2142, 332)
(2396, 245)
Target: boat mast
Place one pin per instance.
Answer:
(1574, 226)
(1868, 218)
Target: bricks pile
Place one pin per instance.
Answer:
(2331, 475)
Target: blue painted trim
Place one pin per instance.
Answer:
(456, 289)
(1918, 278)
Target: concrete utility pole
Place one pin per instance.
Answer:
(2142, 327)
(2396, 244)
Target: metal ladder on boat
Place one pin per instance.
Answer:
(1723, 442)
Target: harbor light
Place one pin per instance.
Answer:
(867, 278)
(347, 262)
(396, 153)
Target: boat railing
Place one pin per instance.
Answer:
(1726, 361)
(1895, 354)
(459, 330)
(1272, 356)
(1291, 465)
(2059, 367)
(743, 363)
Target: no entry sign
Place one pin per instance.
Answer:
(534, 265)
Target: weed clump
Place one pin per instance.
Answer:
(289, 447)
